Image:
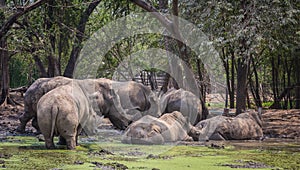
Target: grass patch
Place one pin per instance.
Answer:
(28, 153)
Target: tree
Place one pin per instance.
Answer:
(244, 33)
(171, 26)
(6, 26)
(79, 38)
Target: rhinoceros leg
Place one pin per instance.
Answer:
(24, 119)
(69, 133)
(49, 143)
(34, 123)
(48, 138)
(70, 138)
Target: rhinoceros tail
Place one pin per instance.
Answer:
(54, 112)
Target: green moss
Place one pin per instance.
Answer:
(286, 160)
(28, 153)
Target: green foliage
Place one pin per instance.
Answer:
(267, 104)
(122, 51)
(262, 30)
(22, 71)
(265, 31)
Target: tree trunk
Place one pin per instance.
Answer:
(40, 66)
(4, 58)
(53, 66)
(232, 80)
(226, 66)
(77, 45)
(241, 89)
(152, 80)
(254, 87)
(203, 84)
(163, 6)
(274, 69)
(284, 93)
(297, 71)
(5, 72)
(288, 68)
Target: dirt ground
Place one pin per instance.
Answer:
(276, 123)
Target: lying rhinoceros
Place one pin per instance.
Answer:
(170, 127)
(244, 126)
(125, 102)
(185, 102)
(64, 111)
(33, 94)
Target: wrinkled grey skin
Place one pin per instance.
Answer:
(244, 126)
(64, 111)
(136, 100)
(124, 102)
(33, 94)
(183, 101)
(43, 85)
(170, 127)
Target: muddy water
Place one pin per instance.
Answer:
(292, 145)
(270, 144)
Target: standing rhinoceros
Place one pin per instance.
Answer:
(33, 94)
(43, 85)
(125, 102)
(170, 127)
(244, 126)
(64, 111)
(185, 102)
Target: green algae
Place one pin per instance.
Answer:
(29, 153)
(283, 159)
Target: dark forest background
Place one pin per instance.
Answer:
(258, 43)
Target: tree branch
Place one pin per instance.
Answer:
(79, 38)
(21, 11)
(164, 20)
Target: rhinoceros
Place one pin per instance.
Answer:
(125, 102)
(244, 126)
(64, 111)
(170, 127)
(43, 85)
(185, 102)
(33, 94)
